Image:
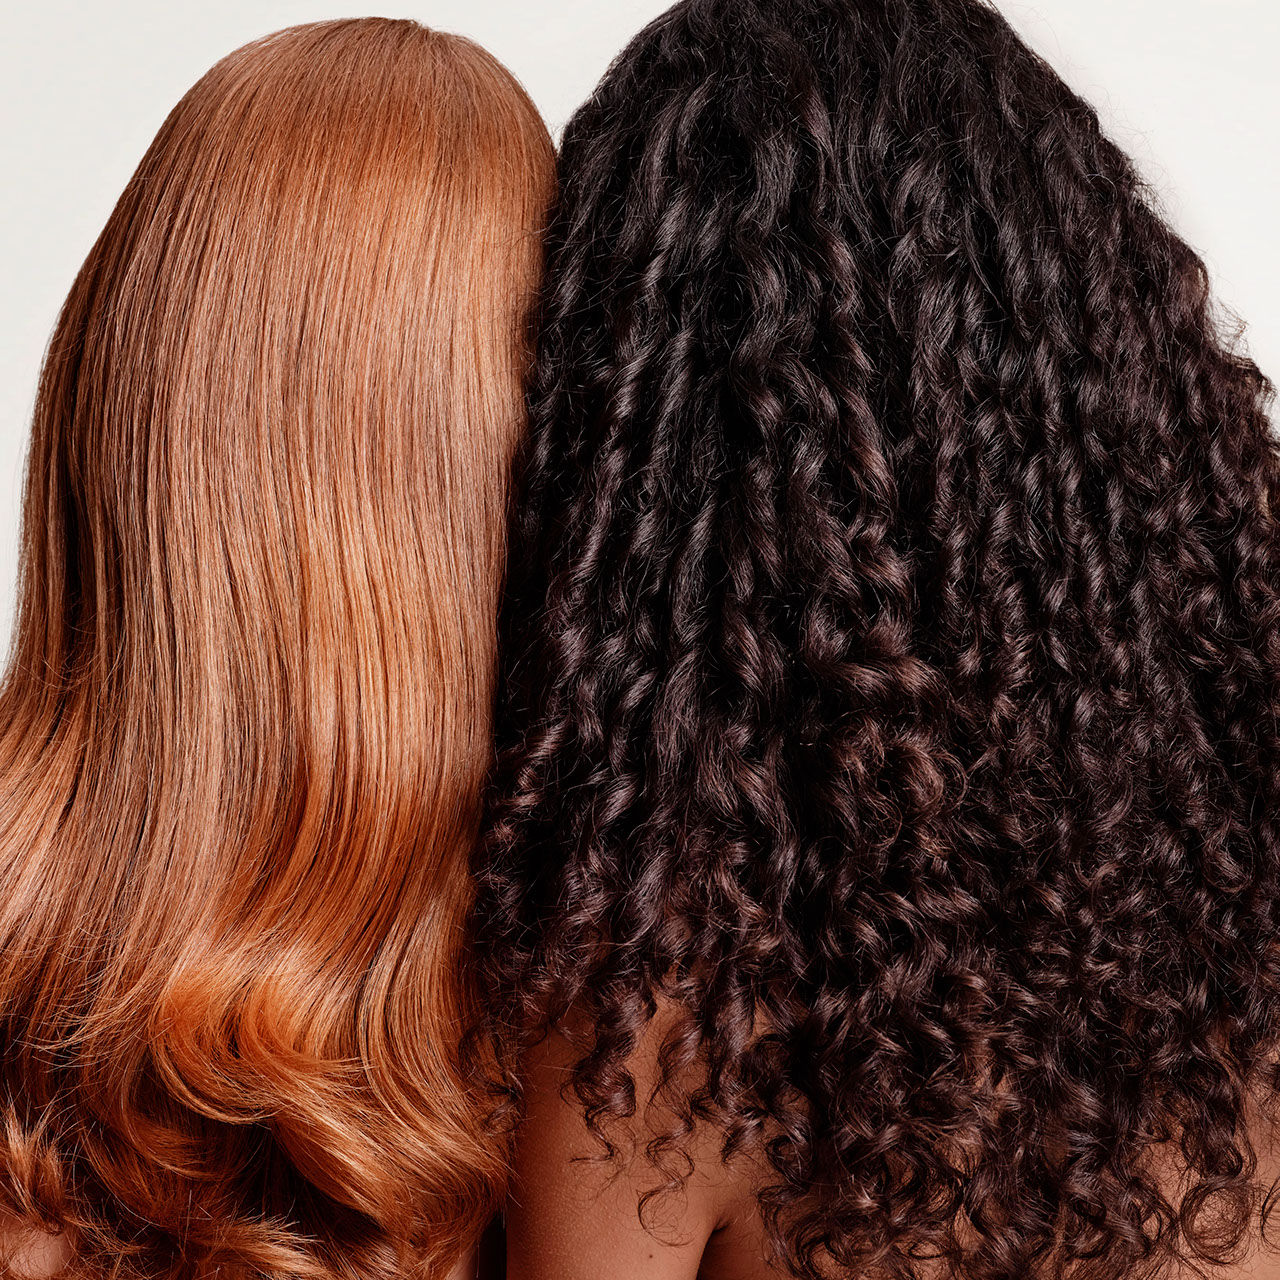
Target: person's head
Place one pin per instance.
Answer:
(245, 722)
(894, 650)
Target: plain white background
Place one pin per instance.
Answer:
(1188, 86)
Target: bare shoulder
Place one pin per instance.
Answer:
(28, 1254)
(573, 1215)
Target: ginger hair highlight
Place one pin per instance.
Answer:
(245, 722)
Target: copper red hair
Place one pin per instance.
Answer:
(245, 722)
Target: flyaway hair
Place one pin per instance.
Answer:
(245, 723)
(892, 668)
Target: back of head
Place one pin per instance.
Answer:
(246, 718)
(895, 652)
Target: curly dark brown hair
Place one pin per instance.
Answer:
(893, 654)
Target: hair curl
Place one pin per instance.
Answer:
(893, 653)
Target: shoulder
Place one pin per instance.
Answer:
(577, 1209)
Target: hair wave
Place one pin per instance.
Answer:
(245, 725)
(892, 670)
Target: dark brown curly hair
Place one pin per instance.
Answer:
(893, 654)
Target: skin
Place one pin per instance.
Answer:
(31, 1255)
(575, 1218)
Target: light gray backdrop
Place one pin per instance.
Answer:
(1189, 86)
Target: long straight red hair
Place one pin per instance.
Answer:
(245, 723)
